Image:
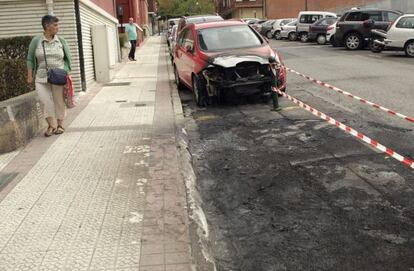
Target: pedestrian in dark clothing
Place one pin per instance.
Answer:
(131, 32)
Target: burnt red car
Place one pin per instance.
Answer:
(226, 59)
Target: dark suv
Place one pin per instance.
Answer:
(353, 29)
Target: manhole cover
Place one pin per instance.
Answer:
(117, 84)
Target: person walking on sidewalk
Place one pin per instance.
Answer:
(58, 56)
(131, 31)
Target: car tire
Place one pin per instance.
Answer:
(269, 35)
(321, 39)
(278, 35)
(409, 48)
(304, 37)
(353, 41)
(292, 36)
(177, 79)
(200, 93)
(375, 48)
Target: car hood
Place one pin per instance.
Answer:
(231, 59)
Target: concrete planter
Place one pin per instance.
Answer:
(21, 118)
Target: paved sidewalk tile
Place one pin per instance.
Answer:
(103, 196)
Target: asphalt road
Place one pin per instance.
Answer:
(287, 191)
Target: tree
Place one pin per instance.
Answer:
(177, 8)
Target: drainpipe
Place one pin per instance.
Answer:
(49, 5)
(80, 45)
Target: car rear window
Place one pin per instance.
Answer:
(229, 37)
(309, 18)
(363, 16)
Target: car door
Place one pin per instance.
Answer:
(187, 56)
(178, 53)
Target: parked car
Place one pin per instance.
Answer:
(330, 34)
(226, 59)
(318, 30)
(400, 36)
(266, 28)
(307, 18)
(277, 27)
(353, 29)
(288, 31)
(258, 25)
(170, 24)
(172, 40)
(197, 19)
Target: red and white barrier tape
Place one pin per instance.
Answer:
(350, 95)
(375, 144)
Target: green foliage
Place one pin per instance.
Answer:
(177, 8)
(123, 40)
(13, 69)
(13, 78)
(16, 47)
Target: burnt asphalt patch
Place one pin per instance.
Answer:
(289, 192)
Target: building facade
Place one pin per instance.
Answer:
(76, 20)
(274, 9)
(241, 8)
(279, 9)
(139, 11)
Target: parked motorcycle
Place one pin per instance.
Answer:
(376, 42)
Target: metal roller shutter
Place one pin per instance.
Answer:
(90, 17)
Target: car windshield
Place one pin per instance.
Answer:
(229, 37)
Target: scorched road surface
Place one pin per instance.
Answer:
(287, 191)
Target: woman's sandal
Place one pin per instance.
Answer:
(59, 130)
(50, 131)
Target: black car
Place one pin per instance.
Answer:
(353, 29)
(317, 31)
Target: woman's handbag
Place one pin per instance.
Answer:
(55, 76)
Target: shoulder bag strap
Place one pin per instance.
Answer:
(44, 53)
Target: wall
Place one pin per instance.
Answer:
(107, 5)
(25, 18)
(279, 8)
(248, 13)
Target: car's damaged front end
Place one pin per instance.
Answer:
(235, 75)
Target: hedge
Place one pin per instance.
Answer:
(13, 70)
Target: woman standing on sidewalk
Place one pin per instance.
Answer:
(57, 54)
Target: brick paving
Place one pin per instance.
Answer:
(107, 194)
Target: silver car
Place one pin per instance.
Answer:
(288, 31)
(277, 27)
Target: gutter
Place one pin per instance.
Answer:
(80, 45)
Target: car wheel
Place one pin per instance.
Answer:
(304, 37)
(353, 41)
(292, 36)
(321, 39)
(200, 92)
(375, 48)
(177, 79)
(278, 35)
(269, 35)
(409, 48)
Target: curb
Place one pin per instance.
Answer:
(198, 223)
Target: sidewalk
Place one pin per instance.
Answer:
(107, 194)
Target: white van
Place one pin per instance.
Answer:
(306, 18)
